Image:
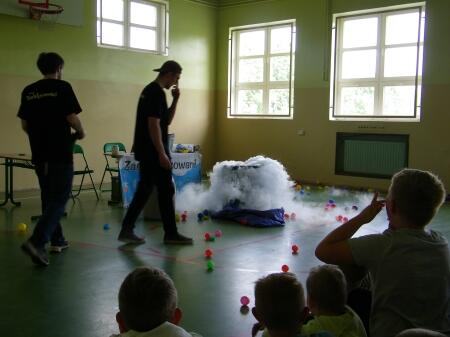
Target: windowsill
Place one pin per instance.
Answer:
(261, 117)
(378, 119)
(145, 51)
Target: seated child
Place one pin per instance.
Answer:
(280, 306)
(419, 333)
(326, 296)
(148, 306)
(408, 264)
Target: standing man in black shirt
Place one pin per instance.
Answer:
(48, 112)
(151, 149)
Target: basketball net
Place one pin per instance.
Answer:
(49, 14)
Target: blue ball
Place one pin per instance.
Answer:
(106, 226)
(205, 212)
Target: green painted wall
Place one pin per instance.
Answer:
(311, 157)
(108, 81)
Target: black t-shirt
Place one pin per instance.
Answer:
(45, 105)
(152, 103)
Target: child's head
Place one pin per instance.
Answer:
(419, 333)
(326, 290)
(279, 302)
(147, 298)
(415, 195)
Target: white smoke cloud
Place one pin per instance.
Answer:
(259, 183)
(262, 183)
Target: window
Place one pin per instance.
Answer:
(262, 70)
(133, 24)
(376, 67)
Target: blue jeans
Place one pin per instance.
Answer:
(55, 181)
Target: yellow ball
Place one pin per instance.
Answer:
(22, 227)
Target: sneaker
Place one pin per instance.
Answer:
(37, 255)
(177, 239)
(130, 237)
(59, 247)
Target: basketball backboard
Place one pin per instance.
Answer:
(73, 13)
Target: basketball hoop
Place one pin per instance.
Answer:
(51, 13)
(43, 11)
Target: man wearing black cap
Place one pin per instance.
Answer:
(151, 149)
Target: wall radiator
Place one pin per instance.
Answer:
(370, 155)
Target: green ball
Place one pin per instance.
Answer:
(210, 265)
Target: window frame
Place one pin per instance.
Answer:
(233, 70)
(161, 29)
(379, 82)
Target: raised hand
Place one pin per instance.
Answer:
(175, 92)
(371, 211)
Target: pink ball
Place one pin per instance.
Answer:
(245, 300)
(285, 268)
(293, 216)
(207, 236)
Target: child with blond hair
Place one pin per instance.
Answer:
(408, 264)
(148, 306)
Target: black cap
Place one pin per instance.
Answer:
(169, 67)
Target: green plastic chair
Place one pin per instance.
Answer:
(78, 151)
(111, 167)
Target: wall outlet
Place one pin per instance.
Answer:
(301, 132)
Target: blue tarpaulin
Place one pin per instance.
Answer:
(251, 217)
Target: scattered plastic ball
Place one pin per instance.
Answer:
(177, 217)
(294, 249)
(183, 217)
(200, 216)
(22, 227)
(212, 239)
(208, 253)
(244, 309)
(331, 201)
(106, 226)
(218, 233)
(339, 218)
(293, 216)
(308, 188)
(354, 207)
(245, 300)
(286, 216)
(207, 236)
(344, 219)
(333, 205)
(205, 212)
(285, 268)
(210, 265)
(205, 217)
